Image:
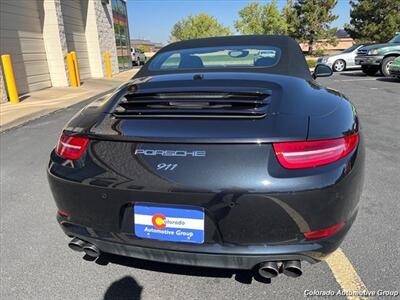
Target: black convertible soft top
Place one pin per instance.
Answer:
(292, 61)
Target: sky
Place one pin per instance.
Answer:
(154, 19)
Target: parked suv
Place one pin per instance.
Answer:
(138, 57)
(378, 57)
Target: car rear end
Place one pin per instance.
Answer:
(213, 178)
(135, 56)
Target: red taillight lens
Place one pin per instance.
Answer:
(63, 214)
(71, 147)
(319, 234)
(309, 154)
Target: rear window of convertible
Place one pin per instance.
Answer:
(217, 57)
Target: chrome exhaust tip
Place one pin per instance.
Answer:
(91, 250)
(76, 244)
(268, 269)
(292, 268)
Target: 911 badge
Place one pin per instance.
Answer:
(169, 223)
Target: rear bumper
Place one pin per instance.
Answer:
(229, 257)
(103, 217)
(368, 60)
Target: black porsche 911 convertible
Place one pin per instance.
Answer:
(221, 152)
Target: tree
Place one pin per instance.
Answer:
(373, 20)
(315, 17)
(291, 17)
(200, 26)
(256, 18)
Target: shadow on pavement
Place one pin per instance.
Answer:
(389, 79)
(377, 76)
(242, 276)
(126, 288)
(356, 74)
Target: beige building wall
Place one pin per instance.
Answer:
(55, 42)
(100, 37)
(3, 92)
(38, 34)
(74, 13)
(342, 43)
(21, 28)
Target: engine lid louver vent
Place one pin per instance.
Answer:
(194, 105)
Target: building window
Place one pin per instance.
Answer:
(121, 29)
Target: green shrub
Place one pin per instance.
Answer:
(311, 63)
(319, 52)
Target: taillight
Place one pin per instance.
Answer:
(309, 154)
(323, 233)
(71, 147)
(63, 213)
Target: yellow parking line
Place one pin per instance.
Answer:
(345, 274)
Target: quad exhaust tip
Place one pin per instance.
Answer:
(268, 269)
(271, 269)
(91, 250)
(292, 268)
(79, 245)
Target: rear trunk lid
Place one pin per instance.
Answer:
(205, 108)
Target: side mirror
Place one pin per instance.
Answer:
(322, 71)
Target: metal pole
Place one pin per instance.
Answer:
(108, 64)
(10, 78)
(71, 70)
(77, 73)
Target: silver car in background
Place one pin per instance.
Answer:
(341, 61)
(138, 57)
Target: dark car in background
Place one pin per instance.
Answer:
(378, 57)
(220, 152)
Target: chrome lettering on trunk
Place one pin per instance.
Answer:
(171, 153)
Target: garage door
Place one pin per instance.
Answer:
(74, 25)
(21, 36)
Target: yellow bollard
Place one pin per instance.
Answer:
(108, 64)
(71, 70)
(10, 78)
(77, 73)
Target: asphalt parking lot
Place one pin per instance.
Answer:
(37, 264)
